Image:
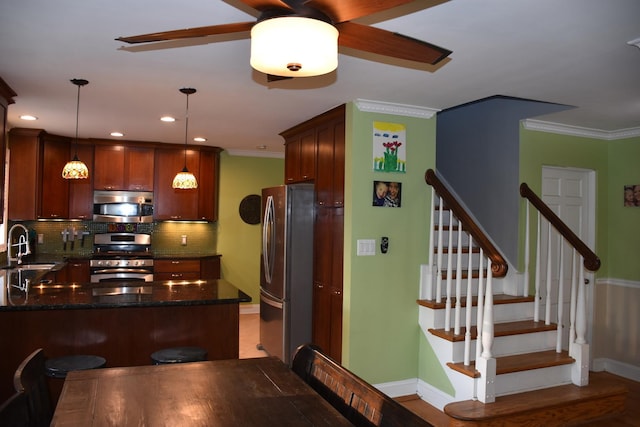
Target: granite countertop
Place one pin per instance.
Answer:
(67, 296)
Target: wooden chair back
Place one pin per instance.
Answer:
(31, 380)
(13, 412)
(360, 402)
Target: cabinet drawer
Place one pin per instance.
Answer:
(187, 275)
(176, 266)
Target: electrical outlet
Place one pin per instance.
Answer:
(183, 240)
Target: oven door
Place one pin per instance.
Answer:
(121, 274)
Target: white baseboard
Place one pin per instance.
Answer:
(399, 388)
(249, 308)
(433, 396)
(622, 369)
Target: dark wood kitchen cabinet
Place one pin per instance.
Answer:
(81, 190)
(198, 204)
(76, 271)
(300, 154)
(207, 268)
(328, 158)
(123, 167)
(6, 98)
(36, 187)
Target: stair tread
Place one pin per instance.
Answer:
(602, 396)
(497, 299)
(518, 362)
(499, 330)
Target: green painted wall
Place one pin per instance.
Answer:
(239, 242)
(623, 246)
(381, 335)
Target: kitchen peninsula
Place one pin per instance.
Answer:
(123, 322)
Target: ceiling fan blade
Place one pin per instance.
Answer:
(268, 4)
(346, 10)
(383, 42)
(188, 33)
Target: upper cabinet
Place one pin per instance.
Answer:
(38, 191)
(123, 167)
(300, 154)
(197, 204)
(36, 187)
(6, 98)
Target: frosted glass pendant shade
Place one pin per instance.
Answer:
(294, 47)
(75, 169)
(184, 180)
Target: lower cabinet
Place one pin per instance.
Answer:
(327, 281)
(206, 268)
(76, 270)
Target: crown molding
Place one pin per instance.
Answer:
(395, 109)
(255, 153)
(607, 135)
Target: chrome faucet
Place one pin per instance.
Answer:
(23, 242)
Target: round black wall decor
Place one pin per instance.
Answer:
(250, 209)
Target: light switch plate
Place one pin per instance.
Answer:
(366, 247)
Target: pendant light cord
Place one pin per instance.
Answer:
(186, 132)
(77, 120)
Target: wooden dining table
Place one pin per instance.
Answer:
(236, 392)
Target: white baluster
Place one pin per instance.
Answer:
(440, 243)
(527, 232)
(427, 293)
(456, 328)
(560, 295)
(572, 312)
(536, 302)
(468, 306)
(547, 311)
(480, 306)
(447, 311)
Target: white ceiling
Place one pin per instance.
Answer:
(572, 52)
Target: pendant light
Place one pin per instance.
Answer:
(185, 180)
(76, 169)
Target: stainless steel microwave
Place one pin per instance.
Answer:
(123, 206)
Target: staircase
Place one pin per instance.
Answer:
(495, 339)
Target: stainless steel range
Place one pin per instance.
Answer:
(122, 257)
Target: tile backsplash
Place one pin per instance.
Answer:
(166, 237)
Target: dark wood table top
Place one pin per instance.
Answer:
(247, 392)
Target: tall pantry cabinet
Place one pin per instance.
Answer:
(314, 151)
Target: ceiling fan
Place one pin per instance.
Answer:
(333, 15)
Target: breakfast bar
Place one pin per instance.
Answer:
(122, 321)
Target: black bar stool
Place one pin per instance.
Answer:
(58, 367)
(178, 355)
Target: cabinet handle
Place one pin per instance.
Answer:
(338, 203)
(337, 292)
(289, 179)
(175, 262)
(176, 275)
(305, 177)
(320, 202)
(175, 217)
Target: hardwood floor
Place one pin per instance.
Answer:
(249, 338)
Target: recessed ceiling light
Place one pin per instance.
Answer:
(28, 117)
(168, 119)
(199, 139)
(117, 134)
(261, 147)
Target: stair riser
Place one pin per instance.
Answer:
(435, 319)
(534, 379)
(504, 346)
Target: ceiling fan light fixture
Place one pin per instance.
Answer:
(293, 46)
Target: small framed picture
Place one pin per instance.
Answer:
(387, 194)
(632, 195)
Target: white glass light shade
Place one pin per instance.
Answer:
(75, 169)
(184, 180)
(279, 46)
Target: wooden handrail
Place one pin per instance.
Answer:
(498, 264)
(591, 260)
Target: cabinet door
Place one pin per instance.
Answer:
(330, 175)
(170, 203)
(81, 190)
(138, 168)
(54, 197)
(23, 182)
(208, 186)
(327, 304)
(109, 167)
(177, 269)
(300, 157)
(77, 270)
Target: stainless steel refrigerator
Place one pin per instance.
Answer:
(286, 269)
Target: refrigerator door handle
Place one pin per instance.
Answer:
(270, 302)
(268, 238)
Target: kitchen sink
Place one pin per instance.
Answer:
(35, 266)
(122, 290)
